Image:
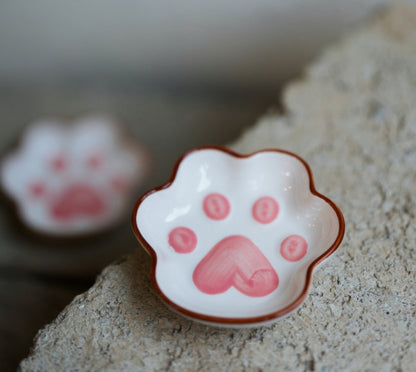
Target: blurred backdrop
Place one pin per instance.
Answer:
(180, 73)
(219, 42)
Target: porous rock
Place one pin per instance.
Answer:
(353, 118)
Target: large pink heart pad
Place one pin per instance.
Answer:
(236, 262)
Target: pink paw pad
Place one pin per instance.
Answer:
(236, 262)
(216, 206)
(59, 163)
(37, 189)
(78, 200)
(95, 162)
(293, 248)
(182, 240)
(265, 210)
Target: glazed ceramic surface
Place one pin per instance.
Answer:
(73, 178)
(234, 238)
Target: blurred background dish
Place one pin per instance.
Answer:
(74, 178)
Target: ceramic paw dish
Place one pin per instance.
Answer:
(73, 178)
(234, 238)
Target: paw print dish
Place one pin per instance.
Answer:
(234, 238)
(73, 178)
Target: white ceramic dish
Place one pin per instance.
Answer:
(73, 178)
(234, 238)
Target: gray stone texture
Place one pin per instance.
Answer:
(353, 118)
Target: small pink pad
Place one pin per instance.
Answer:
(37, 189)
(265, 210)
(59, 163)
(216, 206)
(236, 261)
(182, 240)
(95, 161)
(293, 248)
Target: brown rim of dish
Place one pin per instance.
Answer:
(249, 320)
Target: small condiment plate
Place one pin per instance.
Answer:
(234, 238)
(73, 178)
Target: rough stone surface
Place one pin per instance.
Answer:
(353, 117)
